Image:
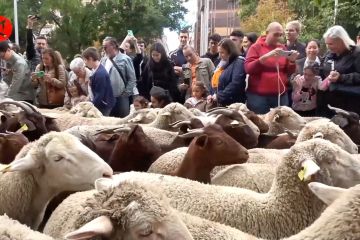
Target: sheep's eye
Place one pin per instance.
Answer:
(146, 232)
(58, 158)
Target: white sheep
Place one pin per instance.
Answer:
(86, 109)
(326, 129)
(253, 176)
(264, 215)
(130, 211)
(13, 230)
(55, 163)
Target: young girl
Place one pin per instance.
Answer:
(139, 103)
(305, 89)
(198, 99)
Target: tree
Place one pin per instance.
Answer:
(267, 11)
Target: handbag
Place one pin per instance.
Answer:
(55, 95)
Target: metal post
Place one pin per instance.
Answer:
(16, 23)
(336, 10)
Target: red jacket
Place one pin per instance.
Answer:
(263, 78)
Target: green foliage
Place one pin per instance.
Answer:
(79, 25)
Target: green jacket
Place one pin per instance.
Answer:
(19, 79)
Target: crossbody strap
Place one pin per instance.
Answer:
(119, 71)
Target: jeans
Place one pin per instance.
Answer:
(262, 104)
(121, 108)
(105, 111)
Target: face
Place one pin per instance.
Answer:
(90, 63)
(156, 56)
(41, 44)
(109, 49)
(312, 49)
(237, 41)
(274, 35)
(224, 55)
(5, 55)
(290, 33)
(197, 92)
(155, 103)
(184, 38)
(47, 60)
(246, 43)
(79, 72)
(213, 46)
(308, 75)
(190, 55)
(141, 46)
(127, 48)
(335, 45)
(137, 105)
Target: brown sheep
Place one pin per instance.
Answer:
(10, 144)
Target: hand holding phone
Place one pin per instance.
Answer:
(285, 53)
(130, 33)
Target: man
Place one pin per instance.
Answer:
(33, 53)
(18, 75)
(196, 69)
(122, 76)
(177, 56)
(237, 37)
(213, 53)
(268, 71)
(292, 33)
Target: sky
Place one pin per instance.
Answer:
(190, 19)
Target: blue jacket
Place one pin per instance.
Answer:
(102, 90)
(232, 84)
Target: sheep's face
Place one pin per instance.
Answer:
(175, 112)
(287, 118)
(323, 128)
(337, 167)
(70, 165)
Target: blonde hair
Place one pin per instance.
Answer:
(296, 24)
(339, 32)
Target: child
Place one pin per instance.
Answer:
(139, 102)
(198, 99)
(159, 97)
(305, 89)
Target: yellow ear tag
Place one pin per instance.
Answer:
(5, 168)
(301, 174)
(24, 127)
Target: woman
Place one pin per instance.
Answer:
(312, 51)
(159, 72)
(231, 86)
(342, 67)
(50, 79)
(78, 87)
(248, 40)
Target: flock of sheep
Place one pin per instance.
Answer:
(178, 174)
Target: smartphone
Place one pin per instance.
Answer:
(130, 33)
(285, 53)
(40, 74)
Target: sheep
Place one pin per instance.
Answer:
(263, 215)
(130, 211)
(281, 141)
(253, 176)
(13, 230)
(324, 128)
(283, 118)
(211, 147)
(86, 109)
(55, 163)
(10, 145)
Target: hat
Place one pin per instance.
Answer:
(158, 91)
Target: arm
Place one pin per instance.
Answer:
(130, 77)
(17, 78)
(211, 69)
(98, 90)
(323, 85)
(30, 48)
(354, 77)
(252, 62)
(59, 83)
(237, 82)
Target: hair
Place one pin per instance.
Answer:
(339, 32)
(91, 52)
(143, 101)
(314, 40)
(112, 41)
(190, 47)
(160, 49)
(215, 37)
(315, 68)
(56, 60)
(142, 41)
(237, 33)
(252, 37)
(201, 85)
(296, 24)
(4, 46)
(41, 37)
(230, 47)
(77, 63)
(184, 31)
(15, 47)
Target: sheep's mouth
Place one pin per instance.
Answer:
(106, 175)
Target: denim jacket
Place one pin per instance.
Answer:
(122, 87)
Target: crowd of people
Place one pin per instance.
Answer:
(264, 72)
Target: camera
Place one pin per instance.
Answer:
(40, 74)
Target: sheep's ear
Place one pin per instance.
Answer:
(201, 141)
(101, 226)
(318, 135)
(103, 184)
(325, 193)
(309, 168)
(340, 121)
(276, 117)
(166, 114)
(21, 164)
